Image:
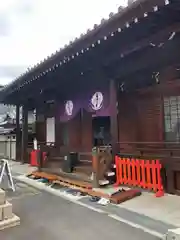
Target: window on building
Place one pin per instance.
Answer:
(172, 118)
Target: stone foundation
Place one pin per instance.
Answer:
(7, 218)
(173, 234)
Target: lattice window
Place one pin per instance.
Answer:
(172, 118)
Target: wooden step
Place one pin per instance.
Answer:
(64, 177)
(84, 162)
(83, 169)
(85, 155)
(54, 164)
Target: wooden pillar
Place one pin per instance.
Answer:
(24, 146)
(170, 181)
(18, 134)
(114, 116)
(95, 167)
(161, 121)
(40, 122)
(57, 126)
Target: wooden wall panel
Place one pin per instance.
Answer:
(177, 180)
(128, 124)
(167, 75)
(79, 131)
(61, 128)
(74, 132)
(150, 105)
(140, 120)
(86, 131)
(150, 117)
(41, 131)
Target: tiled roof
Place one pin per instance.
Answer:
(106, 29)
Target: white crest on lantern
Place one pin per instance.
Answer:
(69, 107)
(97, 101)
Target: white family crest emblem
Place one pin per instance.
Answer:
(69, 107)
(97, 101)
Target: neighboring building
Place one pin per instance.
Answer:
(8, 130)
(8, 143)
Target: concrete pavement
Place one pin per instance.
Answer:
(133, 219)
(165, 209)
(47, 217)
(147, 213)
(20, 169)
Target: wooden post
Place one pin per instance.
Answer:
(114, 116)
(18, 133)
(95, 167)
(39, 155)
(40, 123)
(24, 149)
(58, 130)
(170, 180)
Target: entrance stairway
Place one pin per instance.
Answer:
(109, 176)
(84, 167)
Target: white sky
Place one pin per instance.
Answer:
(30, 30)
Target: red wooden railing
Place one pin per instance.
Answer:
(140, 173)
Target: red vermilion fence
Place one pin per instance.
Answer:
(140, 173)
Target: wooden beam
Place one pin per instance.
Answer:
(166, 89)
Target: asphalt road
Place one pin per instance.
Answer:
(48, 217)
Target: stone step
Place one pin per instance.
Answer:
(12, 222)
(6, 211)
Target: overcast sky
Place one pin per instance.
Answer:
(30, 30)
